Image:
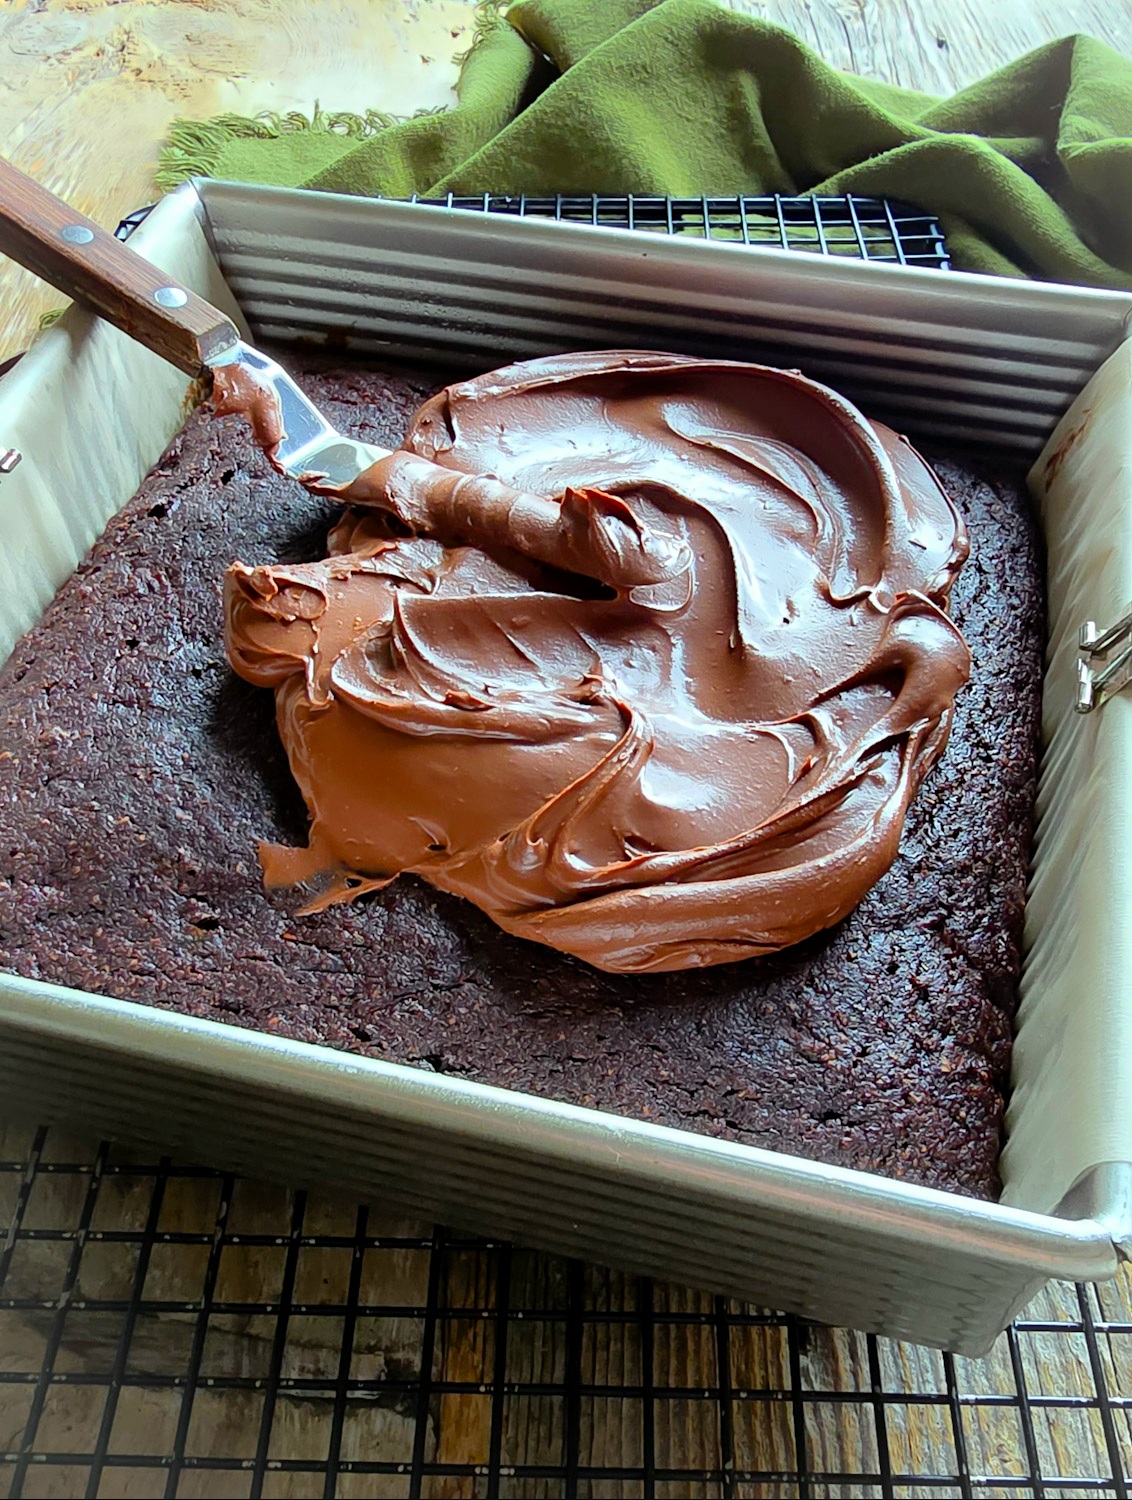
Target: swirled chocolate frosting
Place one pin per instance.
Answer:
(646, 656)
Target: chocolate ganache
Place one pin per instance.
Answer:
(644, 655)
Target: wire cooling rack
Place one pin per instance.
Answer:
(869, 228)
(168, 1330)
(866, 228)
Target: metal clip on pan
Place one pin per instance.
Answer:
(1096, 687)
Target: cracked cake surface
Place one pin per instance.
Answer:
(137, 775)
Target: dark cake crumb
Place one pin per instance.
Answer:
(138, 774)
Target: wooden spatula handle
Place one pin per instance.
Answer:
(75, 256)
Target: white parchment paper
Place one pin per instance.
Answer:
(1072, 1101)
(89, 410)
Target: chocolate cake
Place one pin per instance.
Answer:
(137, 775)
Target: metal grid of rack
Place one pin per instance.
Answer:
(867, 228)
(168, 1330)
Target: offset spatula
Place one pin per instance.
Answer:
(66, 249)
(585, 531)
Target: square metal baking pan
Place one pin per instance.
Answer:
(1003, 367)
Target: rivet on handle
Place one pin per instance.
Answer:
(76, 234)
(170, 296)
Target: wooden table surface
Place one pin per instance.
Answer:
(87, 88)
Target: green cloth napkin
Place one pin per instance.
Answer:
(1029, 170)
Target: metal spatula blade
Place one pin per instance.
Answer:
(311, 450)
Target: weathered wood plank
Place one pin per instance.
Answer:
(939, 46)
(88, 88)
